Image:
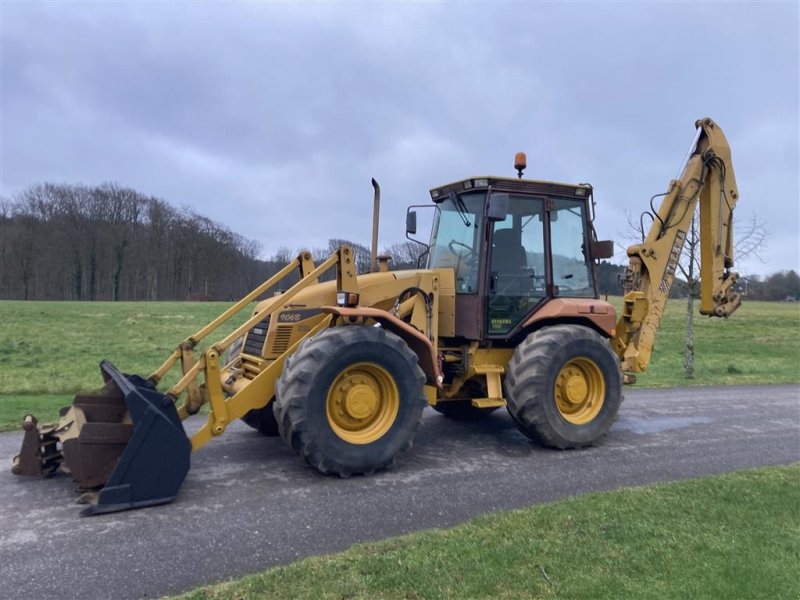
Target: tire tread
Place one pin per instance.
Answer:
(295, 383)
(527, 378)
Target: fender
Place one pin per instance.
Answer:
(599, 313)
(416, 340)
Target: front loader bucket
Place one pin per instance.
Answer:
(155, 460)
(127, 443)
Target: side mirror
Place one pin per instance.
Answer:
(411, 222)
(498, 207)
(602, 249)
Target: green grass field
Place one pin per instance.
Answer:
(760, 343)
(730, 536)
(51, 350)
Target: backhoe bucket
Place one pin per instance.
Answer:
(127, 443)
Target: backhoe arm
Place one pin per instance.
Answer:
(707, 178)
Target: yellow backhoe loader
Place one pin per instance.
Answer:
(505, 313)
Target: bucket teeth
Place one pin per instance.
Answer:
(90, 437)
(39, 454)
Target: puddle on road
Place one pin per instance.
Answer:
(645, 425)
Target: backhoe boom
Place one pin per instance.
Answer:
(707, 178)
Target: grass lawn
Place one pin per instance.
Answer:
(50, 350)
(729, 536)
(760, 343)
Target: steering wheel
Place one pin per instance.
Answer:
(451, 245)
(566, 286)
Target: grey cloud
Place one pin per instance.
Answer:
(273, 117)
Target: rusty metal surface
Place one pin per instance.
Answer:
(92, 434)
(469, 316)
(91, 451)
(38, 455)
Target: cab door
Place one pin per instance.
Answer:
(517, 266)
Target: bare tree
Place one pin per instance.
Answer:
(690, 268)
(404, 254)
(362, 253)
(109, 242)
(750, 240)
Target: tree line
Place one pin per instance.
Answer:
(778, 286)
(108, 242)
(783, 285)
(74, 242)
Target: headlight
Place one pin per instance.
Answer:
(347, 299)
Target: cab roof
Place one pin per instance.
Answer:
(512, 185)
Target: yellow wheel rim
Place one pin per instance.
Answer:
(363, 402)
(580, 391)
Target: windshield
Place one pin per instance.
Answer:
(456, 237)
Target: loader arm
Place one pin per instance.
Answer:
(125, 445)
(707, 178)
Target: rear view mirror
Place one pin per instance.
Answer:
(602, 249)
(411, 222)
(498, 207)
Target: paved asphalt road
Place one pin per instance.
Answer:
(249, 503)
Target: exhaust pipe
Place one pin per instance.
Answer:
(125, 447)
(376, 210)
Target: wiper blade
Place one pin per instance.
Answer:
(461, 208)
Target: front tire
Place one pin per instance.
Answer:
(351, 400)
(564, 386)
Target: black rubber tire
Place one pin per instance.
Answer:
(263, 420)
(462, 410)
(302, 390)
(531, 378)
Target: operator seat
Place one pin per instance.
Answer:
(509, 264)
(508, 254)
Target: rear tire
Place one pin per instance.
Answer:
(351, 400)
(262, 420)
(564, 386)
(463, 410)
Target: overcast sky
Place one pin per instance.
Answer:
(272, 118)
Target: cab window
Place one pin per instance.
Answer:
(572, 272)
(455, 241)
(517, 265)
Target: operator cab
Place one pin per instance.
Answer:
(513, 244)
